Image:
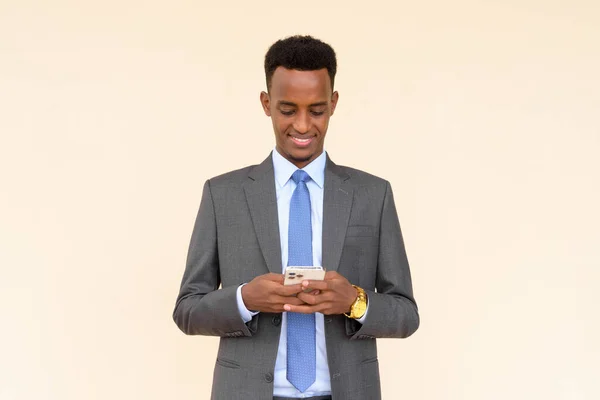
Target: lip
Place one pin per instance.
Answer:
(303, 142)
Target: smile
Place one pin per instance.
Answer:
(302, 142)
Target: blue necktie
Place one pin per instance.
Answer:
(301, 348)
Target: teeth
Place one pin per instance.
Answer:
(301, 140)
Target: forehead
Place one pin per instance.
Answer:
(300, 87)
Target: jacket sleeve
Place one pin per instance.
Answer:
(393, 311)
(202, 307)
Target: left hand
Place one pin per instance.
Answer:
(333, 295)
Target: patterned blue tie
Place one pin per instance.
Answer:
(301, 348)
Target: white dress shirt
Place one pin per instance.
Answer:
(285, 187)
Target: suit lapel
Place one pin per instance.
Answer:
(337, 203)
(262, 202)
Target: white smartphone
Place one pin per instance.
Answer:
(296, 274)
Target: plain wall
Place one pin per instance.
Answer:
(482, 114)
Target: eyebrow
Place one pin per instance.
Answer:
(289, 103)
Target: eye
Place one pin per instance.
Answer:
(288, 113)
(317, 113)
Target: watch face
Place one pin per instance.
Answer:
(360, 309)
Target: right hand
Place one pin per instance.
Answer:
(266, 293)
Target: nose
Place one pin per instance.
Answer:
(302, 122)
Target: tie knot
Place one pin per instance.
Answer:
(300, 176)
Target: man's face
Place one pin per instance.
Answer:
(300, 104)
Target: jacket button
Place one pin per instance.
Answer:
(276, 320)
(269, 377)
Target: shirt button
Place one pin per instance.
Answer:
(269, 377)
(276, 320)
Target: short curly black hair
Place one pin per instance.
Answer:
(303, 53)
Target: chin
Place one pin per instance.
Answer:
(298, 159)
(301, 158)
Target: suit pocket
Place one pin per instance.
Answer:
(361, 230)
(227, 363)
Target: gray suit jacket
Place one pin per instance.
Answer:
(236, 238)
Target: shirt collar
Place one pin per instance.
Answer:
(284, 169)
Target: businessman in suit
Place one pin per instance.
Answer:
(314, 339)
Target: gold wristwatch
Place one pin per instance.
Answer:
(359, 307)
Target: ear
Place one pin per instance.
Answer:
(265, 101)
(334, 99)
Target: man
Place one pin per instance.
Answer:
(314, 339)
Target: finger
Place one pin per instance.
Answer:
(329, 275)
(279, 299)
(295, 301)
(305, 309)
(323, 297)
(308, 298)
(328, 295)
(310, 291)
(318, 285)
(289, 290)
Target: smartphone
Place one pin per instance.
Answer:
(294, 275)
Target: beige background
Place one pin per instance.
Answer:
(482, 114)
